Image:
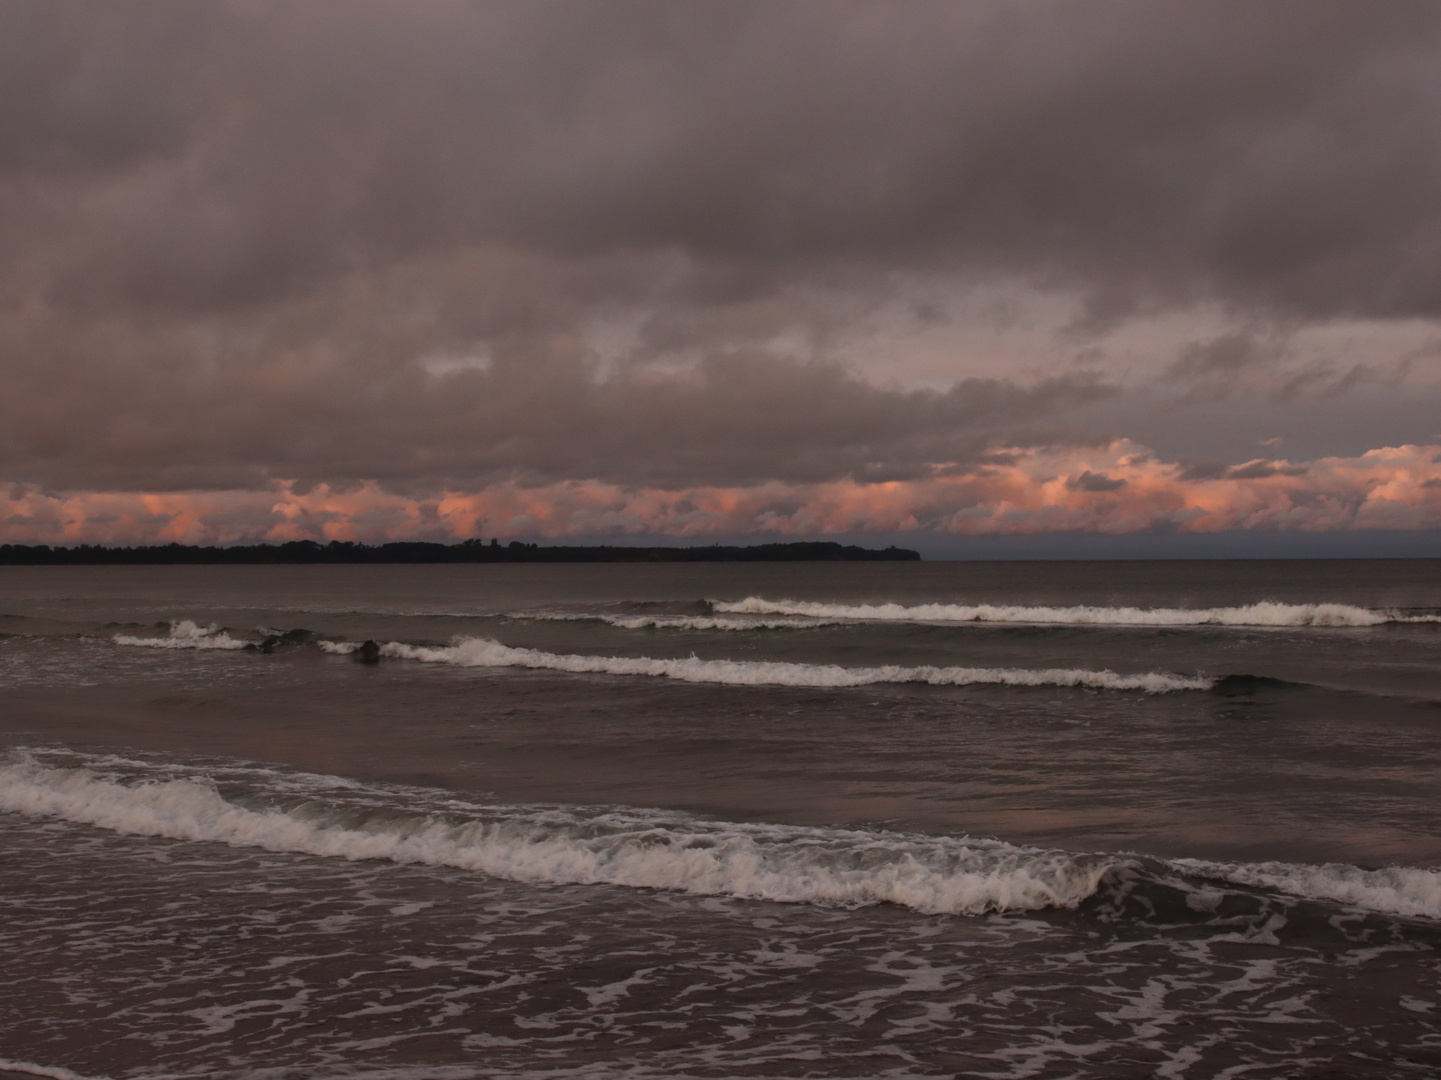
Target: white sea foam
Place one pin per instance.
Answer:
(485, 652)
(53, 1072)
(185, 634)
(1396, 890)
(834, 867)
(333, 817)
(338, 648)
(1265, 613)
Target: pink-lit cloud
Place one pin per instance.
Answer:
(1114, 489)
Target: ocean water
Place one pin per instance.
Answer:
(768, 820)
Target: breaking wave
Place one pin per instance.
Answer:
(185, 634)
(1396, 890)
(1265, 613)
(485, 652)
(316, 815)
(833, 867)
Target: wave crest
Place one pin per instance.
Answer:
(185, 634)
(1397, 890)
(1264, 613)
(832, 867)
(486, 652)
(329, 816)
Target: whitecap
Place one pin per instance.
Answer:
(1264, 613)
(486, 652)
(185, 634)
(1396, 890)
(792, 864)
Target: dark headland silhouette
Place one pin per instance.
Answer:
(414, 551)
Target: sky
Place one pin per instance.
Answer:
(961, 276)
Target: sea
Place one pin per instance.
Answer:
(824, 820)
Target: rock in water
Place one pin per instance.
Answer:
(368, 653)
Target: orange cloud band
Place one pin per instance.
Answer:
(1119, 488)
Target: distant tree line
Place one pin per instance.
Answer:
(414, 551)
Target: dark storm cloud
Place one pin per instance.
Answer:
(1290, 149)
(1095, 482)
(235, 234)
(1256, 469)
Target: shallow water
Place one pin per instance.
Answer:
(826, 819)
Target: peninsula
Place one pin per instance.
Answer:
(468, 551)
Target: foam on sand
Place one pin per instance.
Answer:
(51, 1072)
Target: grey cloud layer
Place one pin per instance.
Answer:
(234, 234)
(351, 410)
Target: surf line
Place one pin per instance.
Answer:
(957, 875)
(486, 652)
(1264, 613)
(787, 864)
(489, 653)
